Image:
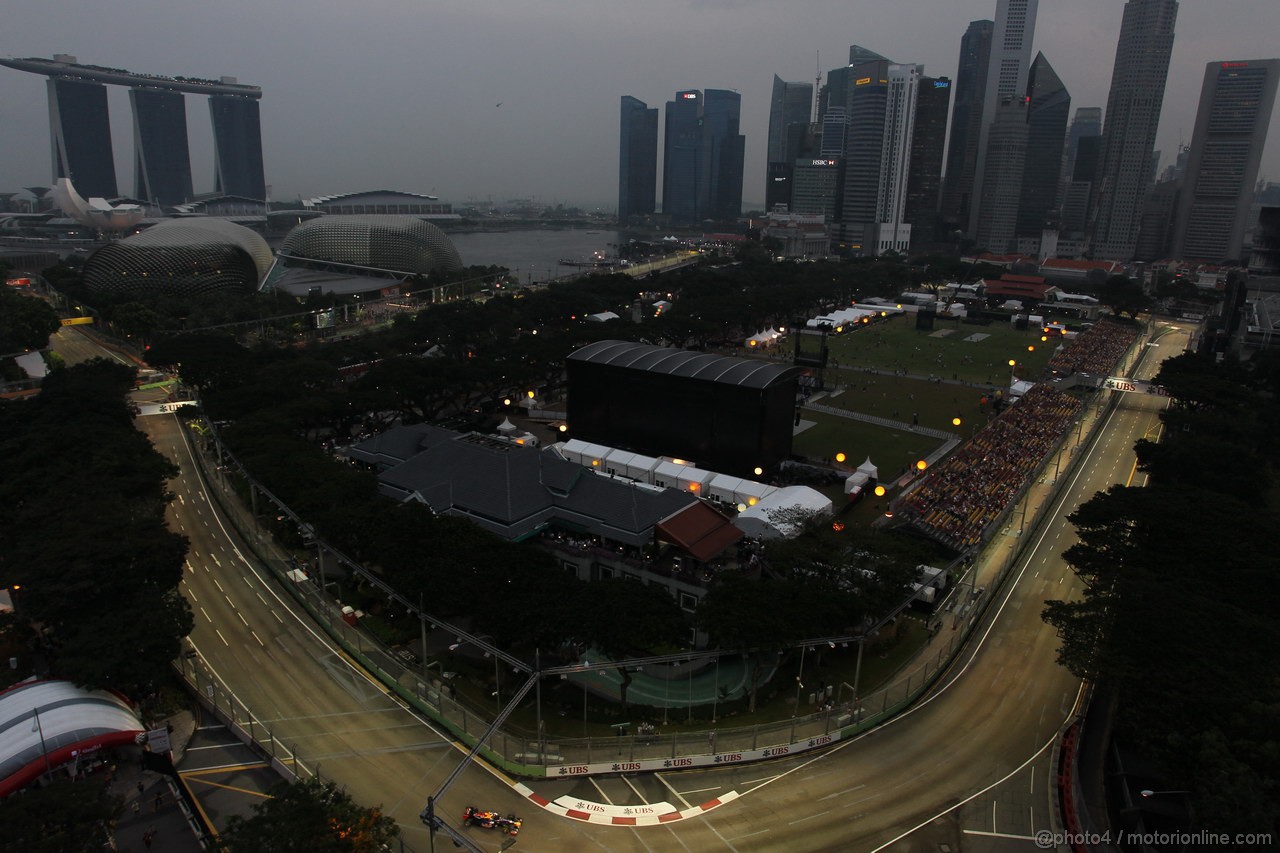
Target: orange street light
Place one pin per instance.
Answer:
(840, 457)
(879, 491)
(921, 465)
(956, 421)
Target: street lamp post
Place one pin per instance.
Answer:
(666, 696)
(44, 750)
(537, 673)
(715, 691)
(799, 681)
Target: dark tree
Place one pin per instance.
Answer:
(26, 322)
(84, 531)
(64, 817)
(624, 618)
(310, 817)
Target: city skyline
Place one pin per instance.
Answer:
(456, 103)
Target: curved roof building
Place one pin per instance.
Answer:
(45, 724)
(727, 369)
(193, 256)
(356, 254)
(724, 413)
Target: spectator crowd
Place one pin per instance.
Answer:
(1094, 351)
(971, 489)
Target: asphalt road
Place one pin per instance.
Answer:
(968, 768)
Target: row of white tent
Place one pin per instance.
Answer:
(767, 338)
(849, 316)
(757, 504)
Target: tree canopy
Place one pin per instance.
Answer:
(309, 817)
(83, 536)
(1175, 614)
(25, 322)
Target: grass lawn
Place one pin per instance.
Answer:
(892, 450)
(895, 343)
(963, 371)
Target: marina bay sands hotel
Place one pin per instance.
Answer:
(80, 131)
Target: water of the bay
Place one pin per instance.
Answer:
(534, 254)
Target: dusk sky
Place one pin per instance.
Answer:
(404, 94)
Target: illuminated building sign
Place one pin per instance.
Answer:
(690, 96)
(824, 163)
(942, 84)
(862, 81)
(1235, 65)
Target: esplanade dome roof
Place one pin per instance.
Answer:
(190, 255)
(401, 244)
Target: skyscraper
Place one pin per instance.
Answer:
(1087, 122)
(971, 87)
(816, 186)
(1048, 107)
(703, 156)
(724, 149)
(791, 104)
(892, 231)
(162, 159)
(682, 149)
(1002, 178)
(928, 142)
(1007, 70)
(1226, 148)
(637, 159)
(1129, 132)
(835, 125)
(864, 149)
(81, 136)
(237, 146)
(81, 130)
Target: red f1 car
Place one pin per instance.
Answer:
(509, 825)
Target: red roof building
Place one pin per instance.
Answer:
(1017, 287)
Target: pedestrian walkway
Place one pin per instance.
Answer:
(153, 800)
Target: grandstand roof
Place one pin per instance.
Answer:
(57, 720)
(729, 370)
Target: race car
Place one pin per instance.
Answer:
(510, 824)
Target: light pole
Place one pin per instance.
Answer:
(689, 695)
(44, 750)
(585, 662)
(799, 682)
(857, 676)
(537, 673)
(715, 691)
(666, 696)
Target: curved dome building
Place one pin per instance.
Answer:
(190, 256)
(358, 254)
